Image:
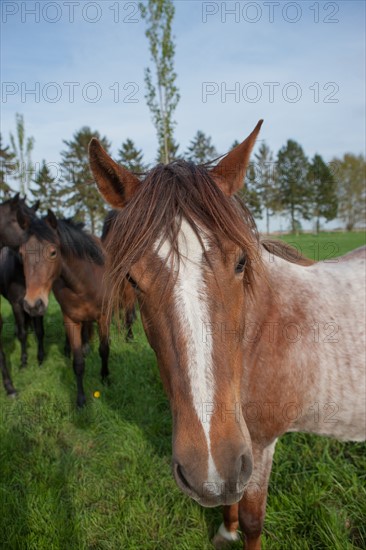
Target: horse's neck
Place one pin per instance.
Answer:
(71, 276)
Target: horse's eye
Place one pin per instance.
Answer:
(240, 266)
(132, 282)
(53, 254)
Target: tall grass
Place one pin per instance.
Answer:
(101, 478)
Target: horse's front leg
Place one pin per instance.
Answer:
(9, 388)
(252, 507)
(19, 315)
(73, 331)
(103, 331)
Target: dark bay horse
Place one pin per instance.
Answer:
(12, 287)
(12, 282)
(251, 341)
(58, 255)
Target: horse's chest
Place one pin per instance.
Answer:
(76, 306)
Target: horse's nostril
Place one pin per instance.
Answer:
(180, 475)
(39, 305)
(36, 310)
(246, 467)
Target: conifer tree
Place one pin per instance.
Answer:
(46, 189)
(79, 194)
(131, 157)
(201, 149)
(293, 195)
(323, 191)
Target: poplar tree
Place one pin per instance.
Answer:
(6, 169)
(349, 172)
(162, 93)
(22, 148)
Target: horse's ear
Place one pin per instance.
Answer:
(23, 219)
(115, 183)
(230, 172)
(51, 219)
(14, 201)
(35, 206)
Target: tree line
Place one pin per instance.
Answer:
(287, 183)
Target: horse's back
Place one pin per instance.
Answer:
(357, 254)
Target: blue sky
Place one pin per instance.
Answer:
(311, 55)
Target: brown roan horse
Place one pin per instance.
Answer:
(59, 255)
(249, 339)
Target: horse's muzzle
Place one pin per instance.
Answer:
(36, 310)
(215, 492)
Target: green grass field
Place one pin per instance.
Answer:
(100, 478)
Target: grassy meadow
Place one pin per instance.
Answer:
(100, 479)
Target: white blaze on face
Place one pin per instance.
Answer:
(193, 312)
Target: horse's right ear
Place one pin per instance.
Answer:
(230, 172)
(115, 183)
(51, 219)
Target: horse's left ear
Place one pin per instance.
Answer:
(230, 172)
(51, 219)
(115, 183)
(35, 206)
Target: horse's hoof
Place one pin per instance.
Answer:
(12, 394)
(80, 401)
(106, 381)
(224, 538)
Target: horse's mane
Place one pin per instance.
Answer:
(286, 252)
(107, 224)
(170, 193)
(74, 240)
